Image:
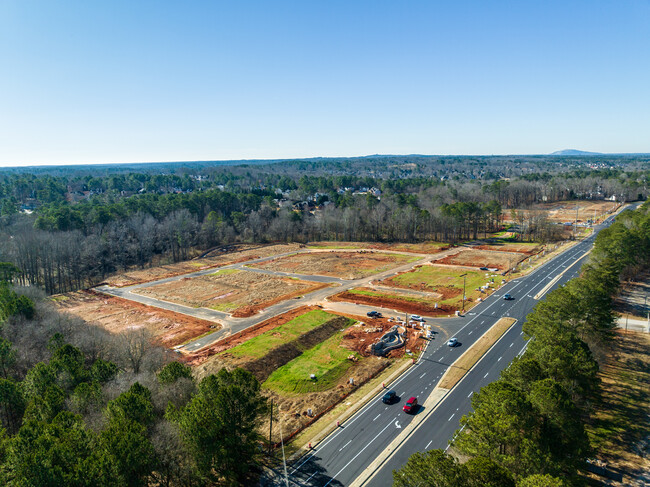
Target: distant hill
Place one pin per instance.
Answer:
(573, 152)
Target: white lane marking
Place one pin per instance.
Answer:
(341, 449)
(451, 416)
(469, 333)
(377, 416)
(423, 375)
(312, 475)
(485, 375)
(428, 444)
(482, 322)
(360, 452)
(470, 394)
(511, 344)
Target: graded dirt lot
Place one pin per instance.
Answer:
(502, 245)
(118, 315)
(568, 211)
(483, 258)
(444, 282)
(345, 265)
(405, 302)
(241, 293)
(232, 254)
(418, 248)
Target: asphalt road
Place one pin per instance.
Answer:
(233, 325)
(346, 454)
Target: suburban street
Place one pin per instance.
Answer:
(232, 325)
(379, 438)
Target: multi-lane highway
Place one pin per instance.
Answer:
(358, 451)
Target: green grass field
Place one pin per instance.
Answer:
(428, 278)
(223, 272)
(328, 360)
(260, 345)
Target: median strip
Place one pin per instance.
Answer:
(557, 278)
(466, 361)
(464, 364)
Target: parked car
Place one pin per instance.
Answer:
(483, 268)
(417, 318)
(507, 297)
(390, 397)
(452, 342)
(411, 405)
(373, 314)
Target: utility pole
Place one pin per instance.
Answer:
(271, 429)
(284, 459)
(464, 277)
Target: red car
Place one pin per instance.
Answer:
(411, 405)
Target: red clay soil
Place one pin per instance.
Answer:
(227, 343)
(463, 258)
(507, 248)
(172, 329)
(395, 303)
(359, 339)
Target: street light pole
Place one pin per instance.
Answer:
(463, 276)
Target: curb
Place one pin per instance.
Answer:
(436, 398)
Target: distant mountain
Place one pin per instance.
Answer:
(573, 152)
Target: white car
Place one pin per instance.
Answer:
(417, 318)
(452, 342)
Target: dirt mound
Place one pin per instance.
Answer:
(263, 367)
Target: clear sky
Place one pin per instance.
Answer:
(154, 80)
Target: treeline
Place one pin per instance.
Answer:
(96, 241)
(67, 246)
(528, 427)
(82, 407)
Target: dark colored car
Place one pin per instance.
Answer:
(411, 405)
(390, 397)
(373, 314)
(507, 297)
(483, 268)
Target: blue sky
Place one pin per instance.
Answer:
(125, 81)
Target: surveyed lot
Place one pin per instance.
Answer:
(242, 293)
(118, 315)
(345, 265)
(483, 258)
(417, 248)
(445, 283)
(240, 253)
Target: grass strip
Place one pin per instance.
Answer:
(466, 361)
(327, 360)
(260, 345)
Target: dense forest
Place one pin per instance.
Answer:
(69, 229)
(82, 407)
(528, 427)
